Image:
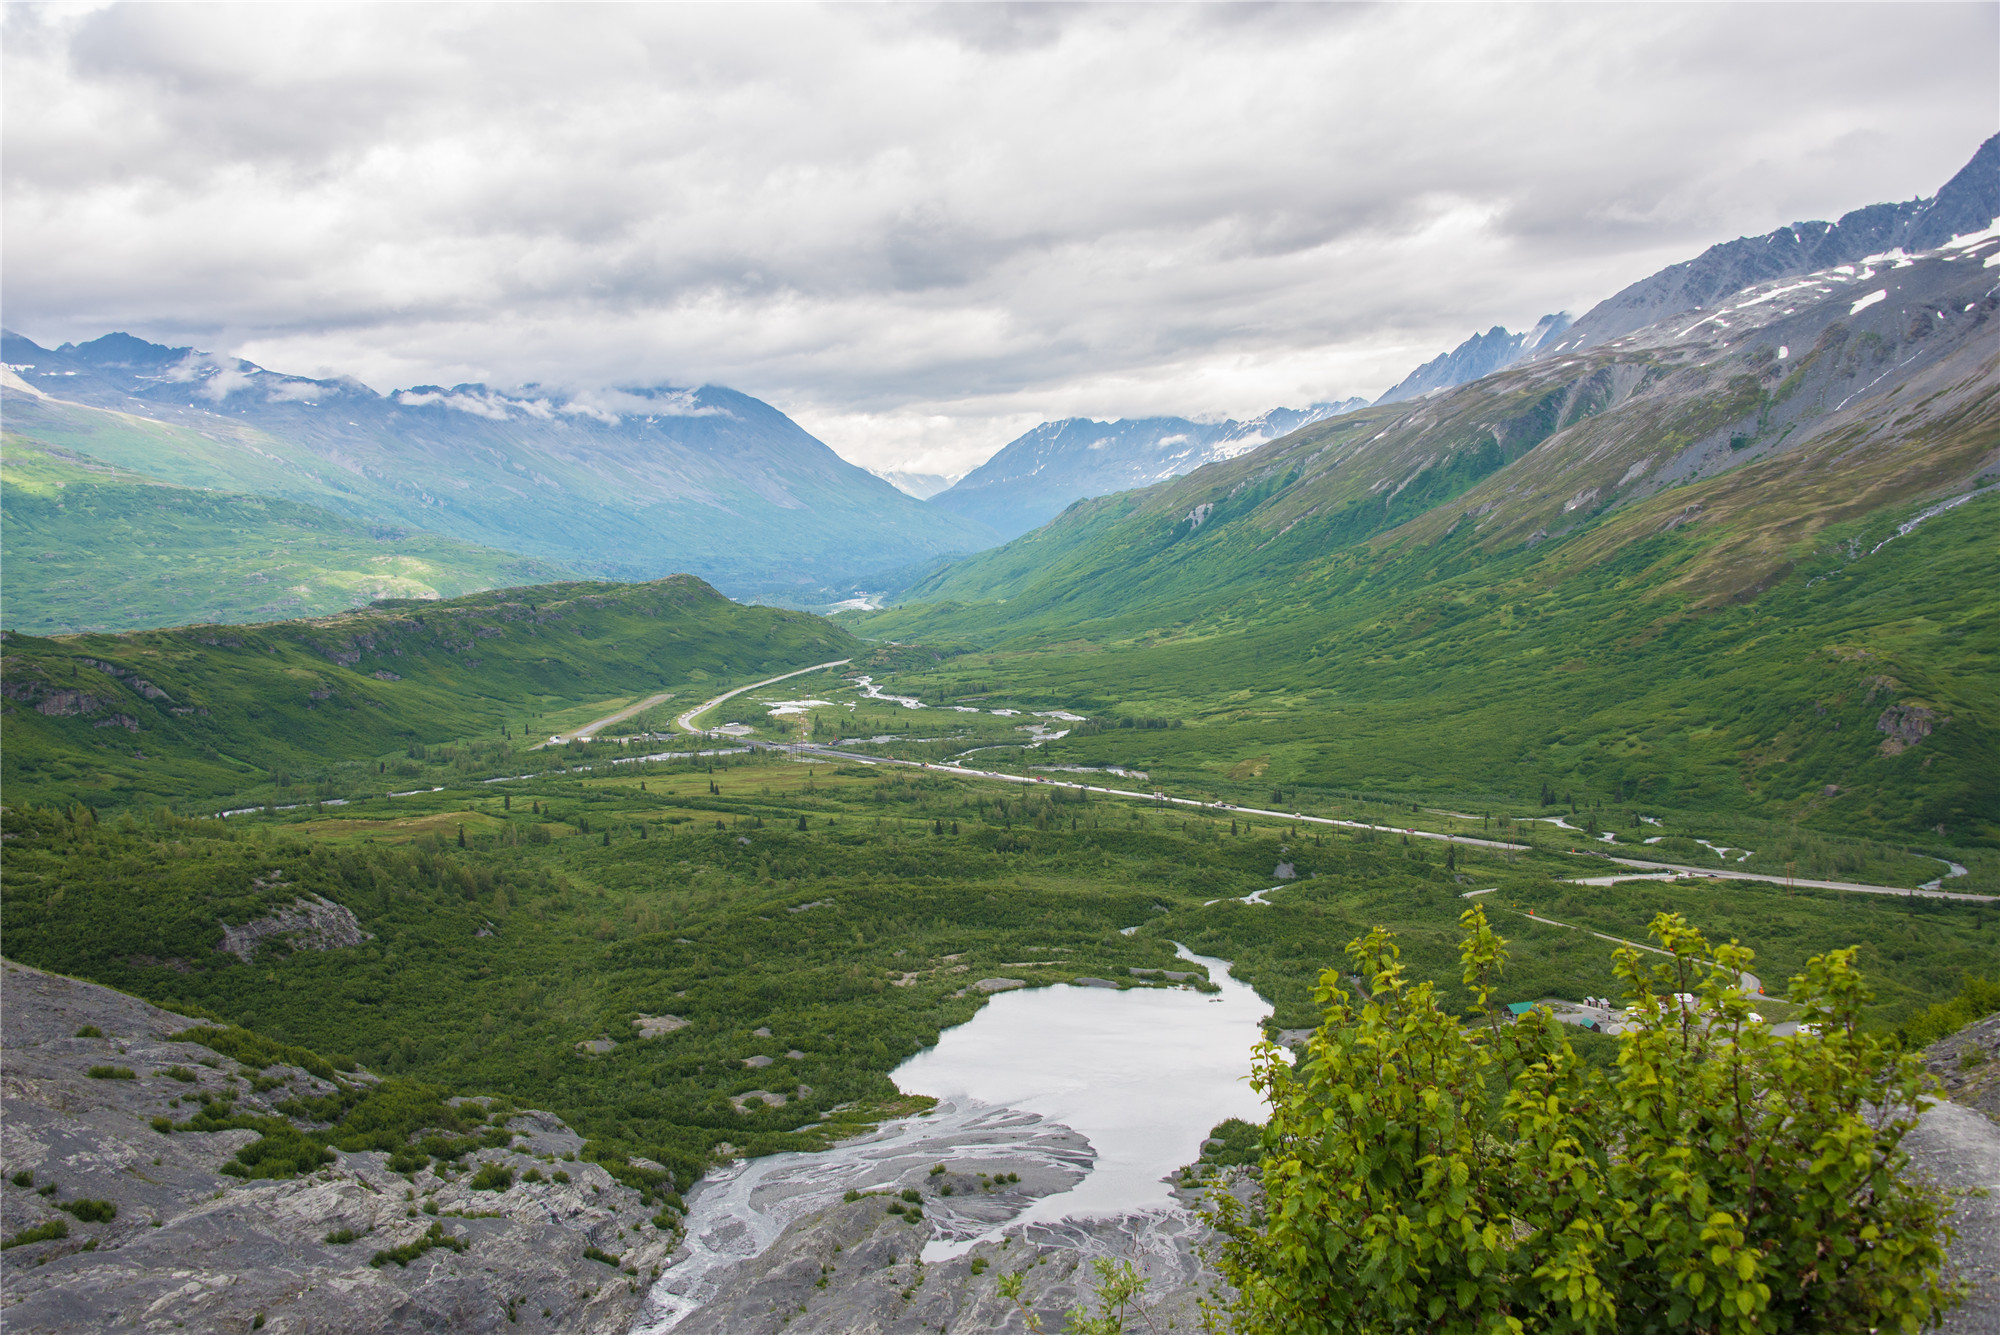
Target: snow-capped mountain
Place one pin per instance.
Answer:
(1481, 355)
(1967, 202)
(1035, 477)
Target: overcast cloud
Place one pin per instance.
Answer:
(920, 231)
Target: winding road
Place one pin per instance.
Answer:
(686, 721)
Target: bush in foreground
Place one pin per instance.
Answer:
(1423, 1173)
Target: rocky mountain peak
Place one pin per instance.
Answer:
(1970, 200)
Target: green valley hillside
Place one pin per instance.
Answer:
(86, 546)
(1669, 569)
(206, 710)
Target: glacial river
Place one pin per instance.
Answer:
(1120, 1087)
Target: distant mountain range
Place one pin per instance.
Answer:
(629, 483)
(1770, 390)
(1036, 476)
(638, 482)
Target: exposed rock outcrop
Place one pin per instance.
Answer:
(305, 924)
(190, 1248)
(1906, 725)
(856, 1267)
(1968, 1064)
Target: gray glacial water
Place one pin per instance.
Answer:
(1098, 1094)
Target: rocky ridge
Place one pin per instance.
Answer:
(1969, 201)
(173, 1243)
(1477, 357)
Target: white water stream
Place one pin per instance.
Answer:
(1120, 1087)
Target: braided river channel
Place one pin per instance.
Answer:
(1094, 1095)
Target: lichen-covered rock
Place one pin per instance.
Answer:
(190, 1248)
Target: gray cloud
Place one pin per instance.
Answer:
(922, 230)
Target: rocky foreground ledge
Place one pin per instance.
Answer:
(158, 1238)
(190, 1248)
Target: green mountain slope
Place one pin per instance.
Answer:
(209, 710)
(1651, 571)
(86, 546)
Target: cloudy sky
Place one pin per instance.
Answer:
(922, 230)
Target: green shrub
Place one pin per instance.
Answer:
(1977, 999)
(254, 1050)
(24, 1178)
(1241, 1143)
(90, 1031)
(180, 1073)
(407, 1160)
(492, 1177)
(47, 1232)
(110, 1073)
(340, 1236)
(1426, 1173)
(410, 1251)
(593, 1254)
(284, 1151)
(90, 1211)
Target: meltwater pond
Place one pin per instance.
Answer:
(1097, 1093)
(1141, 1074)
